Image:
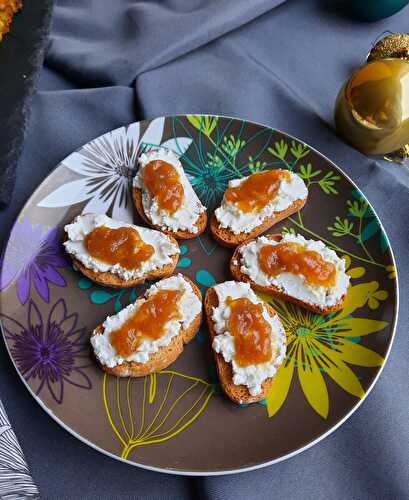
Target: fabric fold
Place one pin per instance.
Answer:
(97, 46)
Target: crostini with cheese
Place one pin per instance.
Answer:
(150, 334)
(164, 197)
(116, 254)
(290, 267)
(253, 204)
(247, 338)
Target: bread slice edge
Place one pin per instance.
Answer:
(226, 237)
(113, 280)
(272, 290)
(161, 359)
(180, 235)
(237, 393)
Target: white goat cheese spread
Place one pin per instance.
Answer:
(82, 225)
(293, 284)
(189, 307)
(186, 217)
(229, 216)
(252, 376)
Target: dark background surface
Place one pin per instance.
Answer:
(21, 56)
(281, 65)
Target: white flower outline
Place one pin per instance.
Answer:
(106, 166)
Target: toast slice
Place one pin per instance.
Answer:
(238, 275)
(237, 393)
(164, 356)
(227, 238)
(113, 280)
(179, 235)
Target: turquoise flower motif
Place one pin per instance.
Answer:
(205, 280)
(121, 297)
(209, 184)
(184, 262)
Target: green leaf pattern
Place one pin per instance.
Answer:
(204, 123)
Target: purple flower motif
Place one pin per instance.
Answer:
(33, 254)
(52, 353)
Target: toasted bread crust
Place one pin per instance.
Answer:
(165, 355)
(180, 235)
(237, 393)
(273, 290)
(227, 238)
(112, 280)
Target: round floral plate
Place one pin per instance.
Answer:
(178, 420)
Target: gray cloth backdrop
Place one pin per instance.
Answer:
(279, 63)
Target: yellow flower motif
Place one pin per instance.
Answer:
(375, 295)
(319, 345)
(356, 272)
(392, 271)
(153, 409)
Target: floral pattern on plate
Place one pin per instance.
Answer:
(50, 352)
(106, 167)
(332, 360)
(33, 256)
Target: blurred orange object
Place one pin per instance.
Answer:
(7, 10)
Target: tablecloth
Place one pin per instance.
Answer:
(279, 63)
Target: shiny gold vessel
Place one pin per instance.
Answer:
(372, 108)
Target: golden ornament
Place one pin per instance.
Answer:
(395, 46)
(372, 107)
